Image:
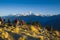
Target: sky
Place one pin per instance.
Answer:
(44, 7)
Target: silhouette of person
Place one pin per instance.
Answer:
(15, 22)
(9, 22)
(0, 22)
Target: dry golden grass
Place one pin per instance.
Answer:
(25, 31)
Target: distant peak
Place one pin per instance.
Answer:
(29, 14)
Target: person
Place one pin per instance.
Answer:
(0, 19)
(22, 22)
(16, 22)
(1, 22)
(9, 22)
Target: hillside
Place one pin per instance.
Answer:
(44, 20)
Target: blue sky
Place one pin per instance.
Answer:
(45, 7)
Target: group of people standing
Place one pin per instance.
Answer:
(9, 23)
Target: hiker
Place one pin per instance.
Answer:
(9, 22)
(16, 22)
(1, 22)
(22, 22)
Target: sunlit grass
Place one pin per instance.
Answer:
(26, 30)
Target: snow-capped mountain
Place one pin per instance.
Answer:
(28, 14)
(31, 14)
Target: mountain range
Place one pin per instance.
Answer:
(53, 21)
